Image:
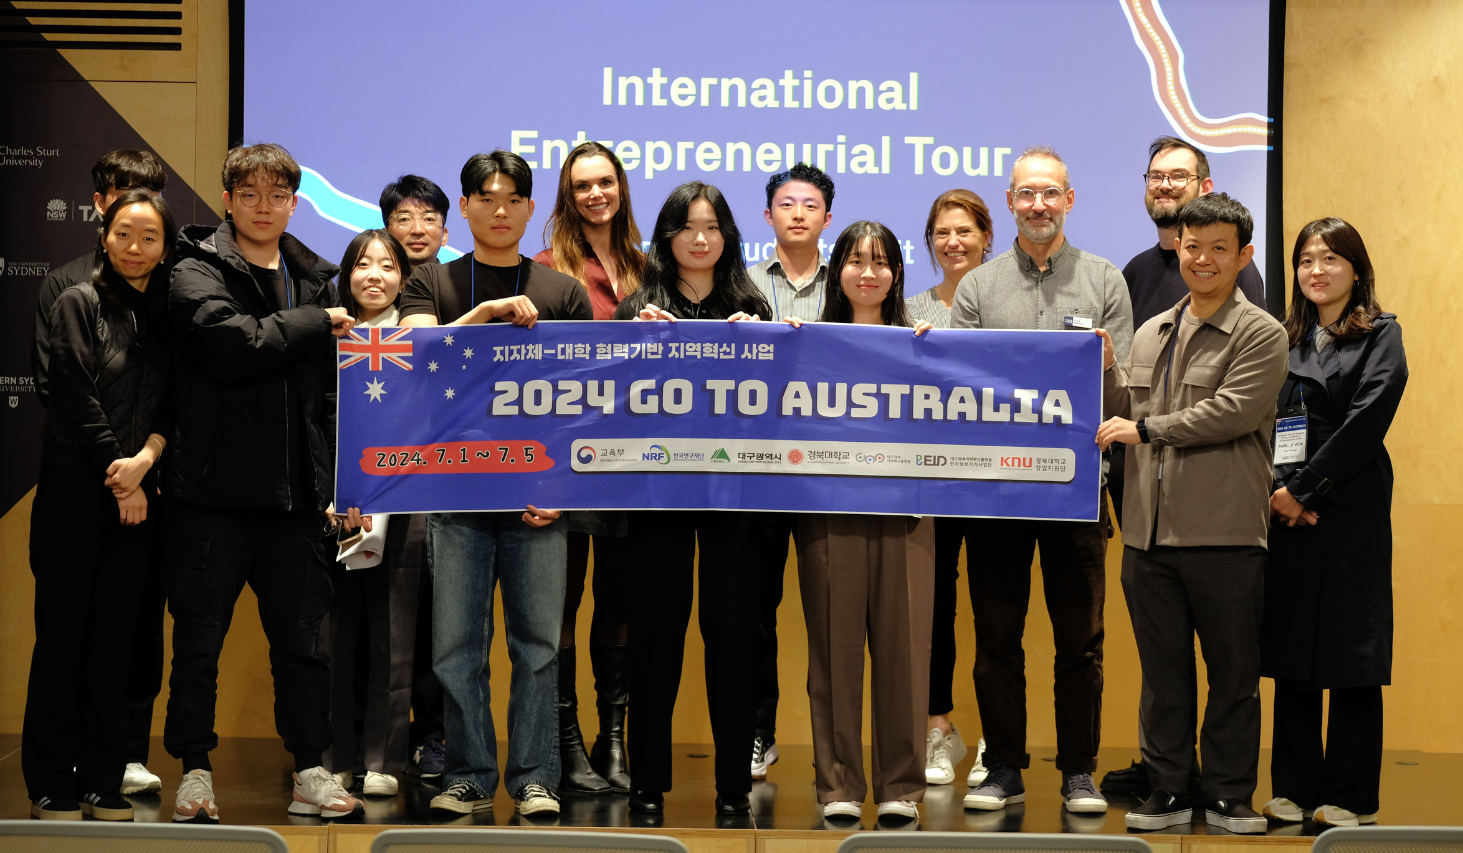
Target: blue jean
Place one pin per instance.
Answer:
(469, 554)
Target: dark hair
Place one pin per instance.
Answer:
(104, 277)
(480, 167)
(353, 252)
(1356, 320)
(1217, 209)
(412, 188)
(128, 168)
(732, 289)
(564, 232)
(244, 162)
(960, 200)
(806, 173)
(836, 307)
(1168, 143)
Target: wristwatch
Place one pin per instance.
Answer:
(1142, 426)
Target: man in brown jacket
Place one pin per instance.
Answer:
(1200, 386)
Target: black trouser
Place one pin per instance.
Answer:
(949, 534)
(1073, 576)
(89, 571)
(662, 551)
(374, 612)
(1218, 593)
(426, 691)
(780, 525)
(607, 624)
(282, 556)
(145, 673)
(1347, 771)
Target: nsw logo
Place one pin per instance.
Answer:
(586, 455)
(657, 453)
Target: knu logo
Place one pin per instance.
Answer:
(657, 453)
(586, 455)
(1016, 462)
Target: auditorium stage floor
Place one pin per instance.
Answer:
(251, 781)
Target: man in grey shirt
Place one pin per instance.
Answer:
(793, 279)
(1042, 282)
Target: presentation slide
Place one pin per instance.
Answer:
(897, 101)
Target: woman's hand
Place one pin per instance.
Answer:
(1284, 505)
(124, 475)
(1120, 430)
(133, 508)
(795, 322)
(922, 326)
(341, 321)
(743, 316)
(536, 517)
(1108, 357)
(651, 312)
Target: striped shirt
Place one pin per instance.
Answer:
(927, 306)
(804, 302)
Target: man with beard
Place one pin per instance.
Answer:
(1177, 174)
(1042, 282)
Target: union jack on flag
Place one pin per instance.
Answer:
(391, 348)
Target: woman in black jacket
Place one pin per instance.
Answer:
(1328, 583)
(693, 271)
(90, 537)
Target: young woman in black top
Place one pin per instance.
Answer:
(90, 537)
(694, 271)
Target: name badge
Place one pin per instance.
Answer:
(1290, 435)
(1074, 322)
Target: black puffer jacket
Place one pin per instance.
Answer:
(235, 358)
(108, 375)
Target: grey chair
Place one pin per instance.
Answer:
(74, 836)
(957, 842)
(519, 841)
(1390, 839)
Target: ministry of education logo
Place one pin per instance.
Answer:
(586, 455)
(56, 210)
(720, 455)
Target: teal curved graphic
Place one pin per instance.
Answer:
(347, 211)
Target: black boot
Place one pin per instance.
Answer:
(611, 664)
(576, 774)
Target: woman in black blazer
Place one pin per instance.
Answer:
(90, 531)
(1328, 584)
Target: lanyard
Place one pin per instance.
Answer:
(289, 295)
(472, 283)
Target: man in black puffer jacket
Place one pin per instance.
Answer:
(250, 472)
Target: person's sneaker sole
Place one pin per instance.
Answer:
(1242, 825)
(899, 811)
(990, 804)
(48, 814)
(1159, 821)
(538, 806)
(1085, 805)
(102, 813)
(843, 810)
(149, 788)
(445, 803)
(379, 789)
(1283, 818)
(938, 777)
(310, 809)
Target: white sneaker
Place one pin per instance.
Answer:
(978, 770)
(379, 784)
(899, 808)
(318, 792)
(195, 803)
(1283, 810)
(843, 808)
(137, 780)
(536, 799)
(764, 755)
(346, 778)
(1337, 816)
(942, 753)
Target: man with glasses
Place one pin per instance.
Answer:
(1042, 282)
(1177, 174)
(415, 212)
(249, 472)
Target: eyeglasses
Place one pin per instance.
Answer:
(426, 220)
(1178, 180)
(1026, 196)
(277, 198)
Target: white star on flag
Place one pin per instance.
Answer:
(376, 388)
(467, 352)
(451, 394)
(432, 366)
(447, 340)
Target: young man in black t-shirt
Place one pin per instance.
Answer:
(472, 552)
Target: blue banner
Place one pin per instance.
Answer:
(717, 415)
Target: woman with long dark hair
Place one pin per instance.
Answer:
(1328, 581)
(592, 236)
(694, 271)
(867, 578)
(90, 535)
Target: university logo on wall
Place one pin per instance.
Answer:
(56, 210)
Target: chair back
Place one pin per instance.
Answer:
(990, 842)
(1390, 839)
(74, 836)
(428, 840)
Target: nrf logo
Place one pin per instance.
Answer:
(657, 453)
(1016, 462)
(586, 455)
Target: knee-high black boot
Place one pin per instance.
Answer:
(577, 774)
(611, 685)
